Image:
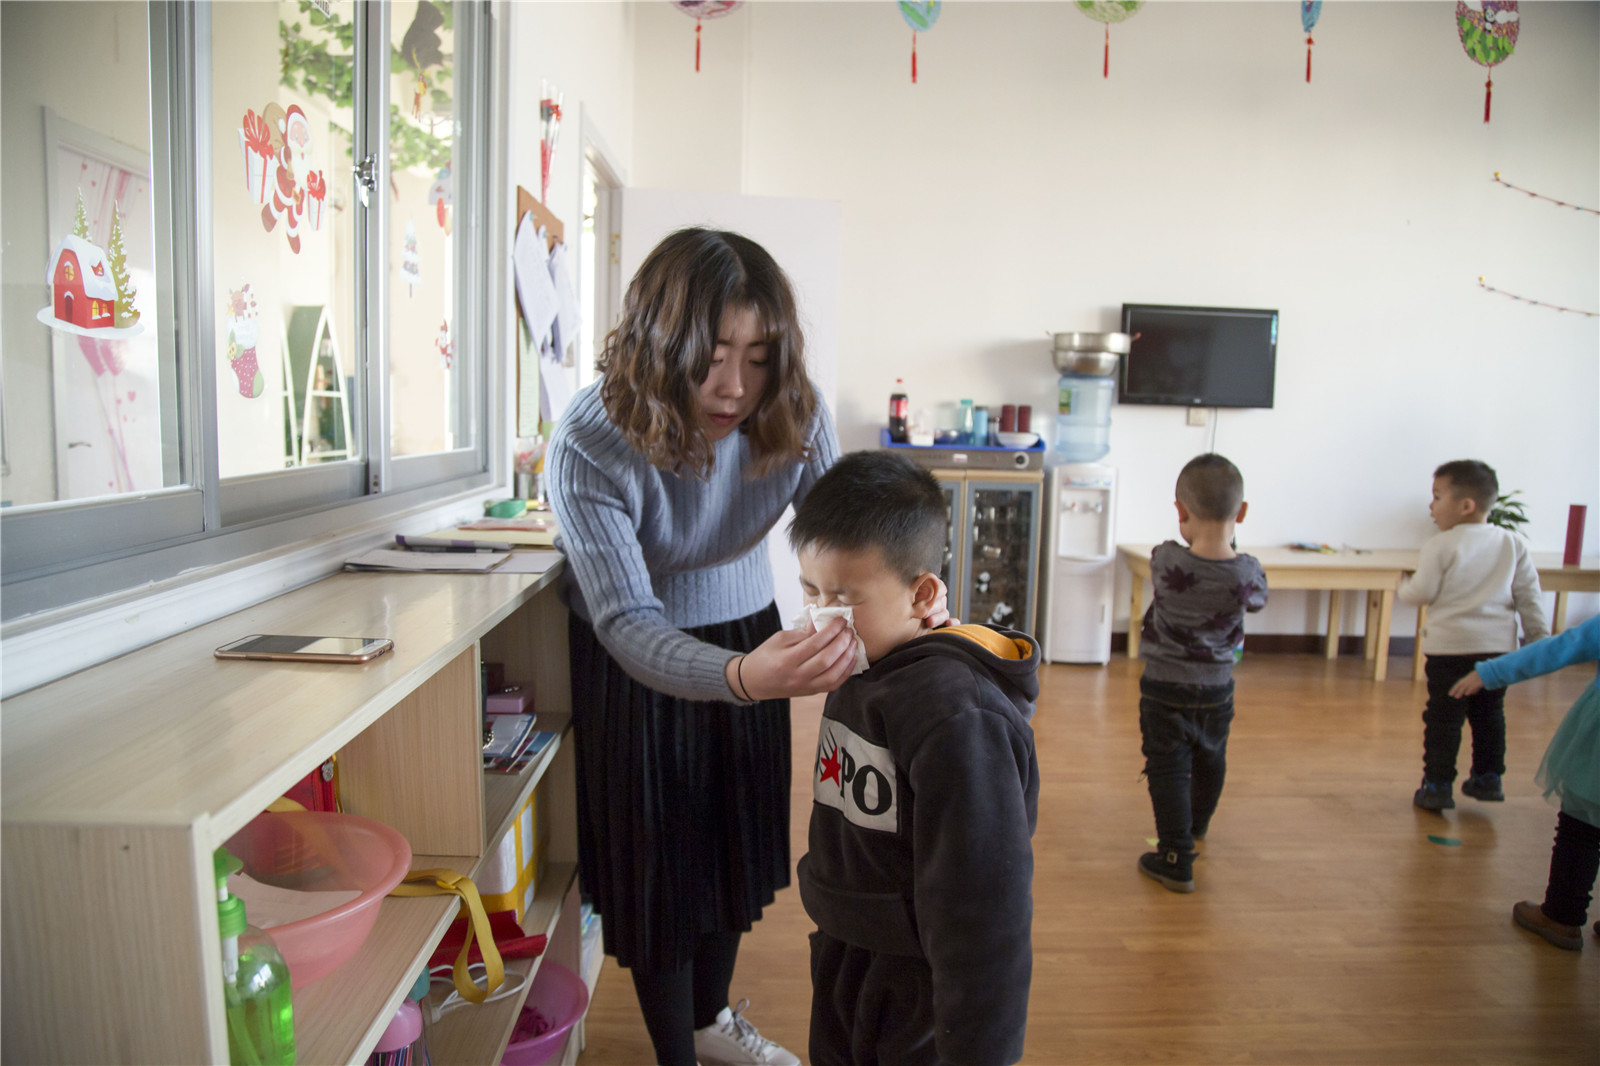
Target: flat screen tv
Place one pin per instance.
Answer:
(1198, 356)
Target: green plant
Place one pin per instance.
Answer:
(309, 65)
(1507, 513)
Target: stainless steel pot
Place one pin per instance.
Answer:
(1115, 343)
(1090, 364)
(1091, 354)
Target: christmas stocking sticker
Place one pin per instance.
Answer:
(243, 333)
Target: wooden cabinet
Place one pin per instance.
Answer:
(119, 781)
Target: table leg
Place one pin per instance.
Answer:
(1335, 606)
(1380, 666)
(1418, 660)
(1135, 615)
(1370, 644)
(1558, 621)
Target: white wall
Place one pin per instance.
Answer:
(1015, 191)
(586, 51)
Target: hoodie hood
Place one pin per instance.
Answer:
(1009, 657)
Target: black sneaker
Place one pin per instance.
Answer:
(1434, 797)
(1484, 787)
(1174, 875)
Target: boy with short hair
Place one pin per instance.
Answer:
(1187, 643)
(1476, 580)
(925, 788)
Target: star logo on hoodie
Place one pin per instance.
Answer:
(830, 767)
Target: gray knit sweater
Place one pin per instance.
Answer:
(653, 553)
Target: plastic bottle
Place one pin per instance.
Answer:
(965, 427)
(255, 982)
(899, 409)
(1083, 417)
(980, 427)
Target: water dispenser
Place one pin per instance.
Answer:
(1079, 565)
(1088, 365)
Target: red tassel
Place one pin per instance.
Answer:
(1488, 91)
(1308, 60)
(1105, 72)
(913, 57)
(697, 46)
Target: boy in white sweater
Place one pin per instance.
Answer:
(1476, 581)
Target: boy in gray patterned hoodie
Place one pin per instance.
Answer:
(1188, 642)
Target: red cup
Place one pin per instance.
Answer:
(1576, 514)
(1024, 419)
(1008, 418)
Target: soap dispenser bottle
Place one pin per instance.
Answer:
(255, 982)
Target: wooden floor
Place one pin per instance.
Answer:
(1326, 927)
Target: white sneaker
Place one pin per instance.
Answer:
(732, 1041)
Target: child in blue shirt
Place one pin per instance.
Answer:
(1570, 772)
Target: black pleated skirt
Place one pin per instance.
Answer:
(683, 806)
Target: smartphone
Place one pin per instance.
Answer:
(306, 649)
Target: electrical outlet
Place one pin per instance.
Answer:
(1197, 416)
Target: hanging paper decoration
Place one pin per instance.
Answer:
(700, 10)
(920, 17)
(1310, 11)
(1109, 11)
(410, 261)
(1541, 196)
(1488, 30)
(244, 332)
(444, 345)
(421, 48)
(442, 196)
(1537, 303)
(549, 130)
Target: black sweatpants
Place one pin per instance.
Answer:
(1441, 721)
(1185, 730)
(869, 1008)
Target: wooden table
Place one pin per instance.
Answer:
(1377, 573)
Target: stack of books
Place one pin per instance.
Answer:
(510, 742)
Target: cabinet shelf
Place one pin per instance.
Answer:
(119, 781)
(478, 1034)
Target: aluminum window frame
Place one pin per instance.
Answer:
(60, 559)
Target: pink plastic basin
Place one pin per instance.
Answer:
(562, 997)
(313, 851)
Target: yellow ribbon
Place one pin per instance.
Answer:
(443, 882)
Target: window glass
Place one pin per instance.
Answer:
(425, 373)
(282, 109)
(87, 389)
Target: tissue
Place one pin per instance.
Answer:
(815, 616)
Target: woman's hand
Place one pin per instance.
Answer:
(795, 662)
(1470, 685)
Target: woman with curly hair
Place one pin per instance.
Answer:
(665, 477)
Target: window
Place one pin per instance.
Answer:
(243, 304)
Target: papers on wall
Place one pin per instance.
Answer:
(569, 320)
(550, 312)
(536, 292)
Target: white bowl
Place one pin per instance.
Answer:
(1018, 440)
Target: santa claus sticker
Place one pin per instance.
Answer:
(276, 149)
